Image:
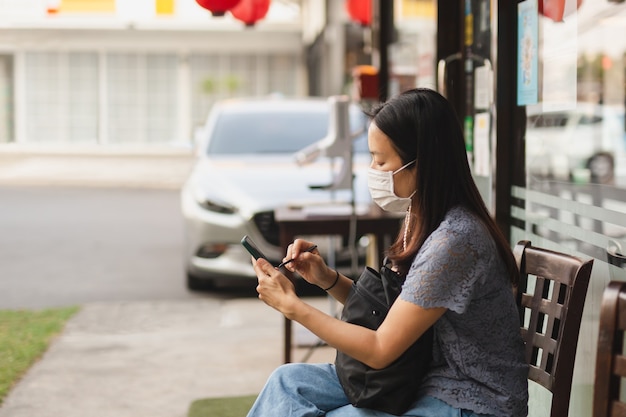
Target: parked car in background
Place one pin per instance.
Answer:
(587, 143)
(246, 169)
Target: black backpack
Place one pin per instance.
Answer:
(392, 389)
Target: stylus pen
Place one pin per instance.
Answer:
(311, 249)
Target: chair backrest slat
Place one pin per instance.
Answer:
(551, 298)
(611, 359)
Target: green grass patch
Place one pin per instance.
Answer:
(222, 407)
(24, 337)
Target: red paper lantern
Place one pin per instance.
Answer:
(53, 6)
(360, 11)
(250, 11)
(218, 7)
(555, 9)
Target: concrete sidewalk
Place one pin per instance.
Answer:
(139, 359)
(93, 166)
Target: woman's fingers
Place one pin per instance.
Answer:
(300, 246)
(288, 254)
(262, 267)
(294, 250)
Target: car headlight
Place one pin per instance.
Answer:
(215, 205)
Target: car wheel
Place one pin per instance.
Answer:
(602, 168)
(195, 283)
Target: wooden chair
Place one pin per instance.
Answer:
(550, 308)
(610, 359)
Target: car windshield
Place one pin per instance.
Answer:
(271, 132)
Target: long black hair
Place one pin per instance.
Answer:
(422, 125)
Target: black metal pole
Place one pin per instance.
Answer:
(385, 34)
(511, 127)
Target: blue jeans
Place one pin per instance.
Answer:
(312, 390)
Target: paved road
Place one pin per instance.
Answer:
(63, 246)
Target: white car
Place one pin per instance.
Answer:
(246, 169)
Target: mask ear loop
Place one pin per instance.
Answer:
(403, 167)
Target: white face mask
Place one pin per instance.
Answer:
(381, 187)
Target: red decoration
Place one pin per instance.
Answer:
(53, 6)
(361, 11)
(365, 79)
(555, 9)
(218, 7)
(250, 11)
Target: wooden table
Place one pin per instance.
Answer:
(293, 222)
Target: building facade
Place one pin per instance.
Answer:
(130, 72)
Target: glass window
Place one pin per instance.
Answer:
(82, 98)
(61, 96)
(242, 81)
(205, 72)
(282, 72)
(575, 195)
(142, 98)
(215, 77)
(161, 98)
(288, 132)
(125, 74)
(277, 132)
(43, 93)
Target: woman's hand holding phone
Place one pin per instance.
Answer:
(278, 291)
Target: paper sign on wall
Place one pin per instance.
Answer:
(527, 62)
(481, 144)
(483, 82)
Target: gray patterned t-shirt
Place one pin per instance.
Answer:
(478, 356)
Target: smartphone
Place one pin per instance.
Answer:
(252, 248)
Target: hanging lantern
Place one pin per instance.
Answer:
(250, 11)
(360, 11)
(218, 7)
(52, 6)
(556, 9)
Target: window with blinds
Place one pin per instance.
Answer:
(129, 97)
(61, 97)
(141, 98)
(215, 77)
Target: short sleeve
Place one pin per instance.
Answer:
(449, 265)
